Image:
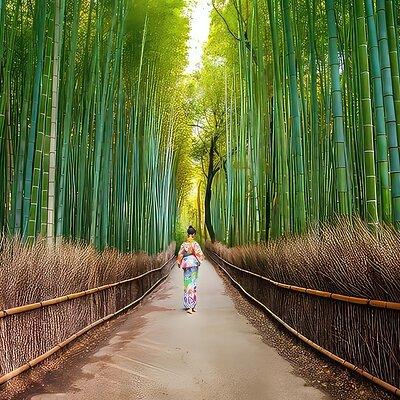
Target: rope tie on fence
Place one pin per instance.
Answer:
(375, 303)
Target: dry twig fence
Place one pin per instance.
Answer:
(35, 331)
(341, 327)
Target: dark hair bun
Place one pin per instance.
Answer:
(191, 230)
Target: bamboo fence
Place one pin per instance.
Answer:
(306, 319)
(391, 305)
(111, 297)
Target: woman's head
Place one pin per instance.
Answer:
(191, 231)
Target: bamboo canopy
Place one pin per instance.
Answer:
(311, 102)
(95, 117)
(88, 123)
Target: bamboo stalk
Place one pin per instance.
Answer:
(341, 161)
(371, 206)
(59, 9)
(66, 115)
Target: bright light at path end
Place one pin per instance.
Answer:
(199, 14)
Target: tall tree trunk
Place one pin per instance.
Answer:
(208, 195)
(199, 226)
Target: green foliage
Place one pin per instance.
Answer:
(109, 113)
(293, 118)
(308, 135)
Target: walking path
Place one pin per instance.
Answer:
(160, 352)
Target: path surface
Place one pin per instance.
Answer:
(160, 352)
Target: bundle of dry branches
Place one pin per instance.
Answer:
(344, 258)
(40, 272)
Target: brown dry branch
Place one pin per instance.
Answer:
(344, 258)
(30, 274)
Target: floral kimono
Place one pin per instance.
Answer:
(189, 258)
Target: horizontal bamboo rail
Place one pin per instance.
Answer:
(390, 305)
(61, 299)
(44, 356)
(385, 385)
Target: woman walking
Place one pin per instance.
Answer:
(189, 258)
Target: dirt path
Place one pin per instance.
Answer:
(160, 352)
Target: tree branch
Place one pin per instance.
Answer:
(225, 21)
(196, 126)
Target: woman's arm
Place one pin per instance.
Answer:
(198, 252)
(180, 256)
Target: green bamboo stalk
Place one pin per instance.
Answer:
(100, 131)
(59, 10)
(67, 123)
(279, 127)
(300, 216)
(341, 164)
(390, 113)
(88, 96)
(366, 113)
(40, 26)
(314, 141)
(393, 44)
(379, 112)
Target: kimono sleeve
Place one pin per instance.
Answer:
(198, 252)
(180, 255)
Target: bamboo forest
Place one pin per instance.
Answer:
(270, 128)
